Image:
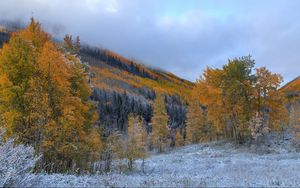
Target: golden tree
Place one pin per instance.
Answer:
(179, 140)
(196, 123)
(44, 100)
(159, 134)
(269, 101)
(233, 96)
(226, 93)
(208, 91)
(136, 140)
(18, 68)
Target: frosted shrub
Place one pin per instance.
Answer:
(258, 129)
(16, 162)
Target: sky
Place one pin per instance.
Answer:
(180, 36)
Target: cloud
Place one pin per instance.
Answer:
(179, 36)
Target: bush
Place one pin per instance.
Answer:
(16, 163)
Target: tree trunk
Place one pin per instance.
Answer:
(143, 166)
(130, 164)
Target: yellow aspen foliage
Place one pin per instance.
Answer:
(135, 141)
(17, 61)
(207, 90)
(196, 129)
(160, 129)
(269, 97)
(6, 96)
(44, 101)
(179, 140)
(78, 81)
(35, 35)
(234, 95)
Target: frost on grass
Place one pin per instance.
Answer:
(216, 164)
(16, 162)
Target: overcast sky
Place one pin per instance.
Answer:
(180, 36)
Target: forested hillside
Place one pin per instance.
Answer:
(292, 88)
(123, 86)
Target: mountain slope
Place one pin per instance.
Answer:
(119, 72)
(123, 86)
(292, 86)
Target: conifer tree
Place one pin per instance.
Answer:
(68, 42)
(70, 46)
(77, 45)
(159, 134)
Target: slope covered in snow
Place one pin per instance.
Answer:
(214, 164)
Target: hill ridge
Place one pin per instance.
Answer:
(292, 86)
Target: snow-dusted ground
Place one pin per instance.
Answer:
(213, 164)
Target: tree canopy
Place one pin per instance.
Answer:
(45, 100)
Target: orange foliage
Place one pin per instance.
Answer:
(111, 78)
(44, 100)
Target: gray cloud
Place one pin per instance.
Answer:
(179, 36)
